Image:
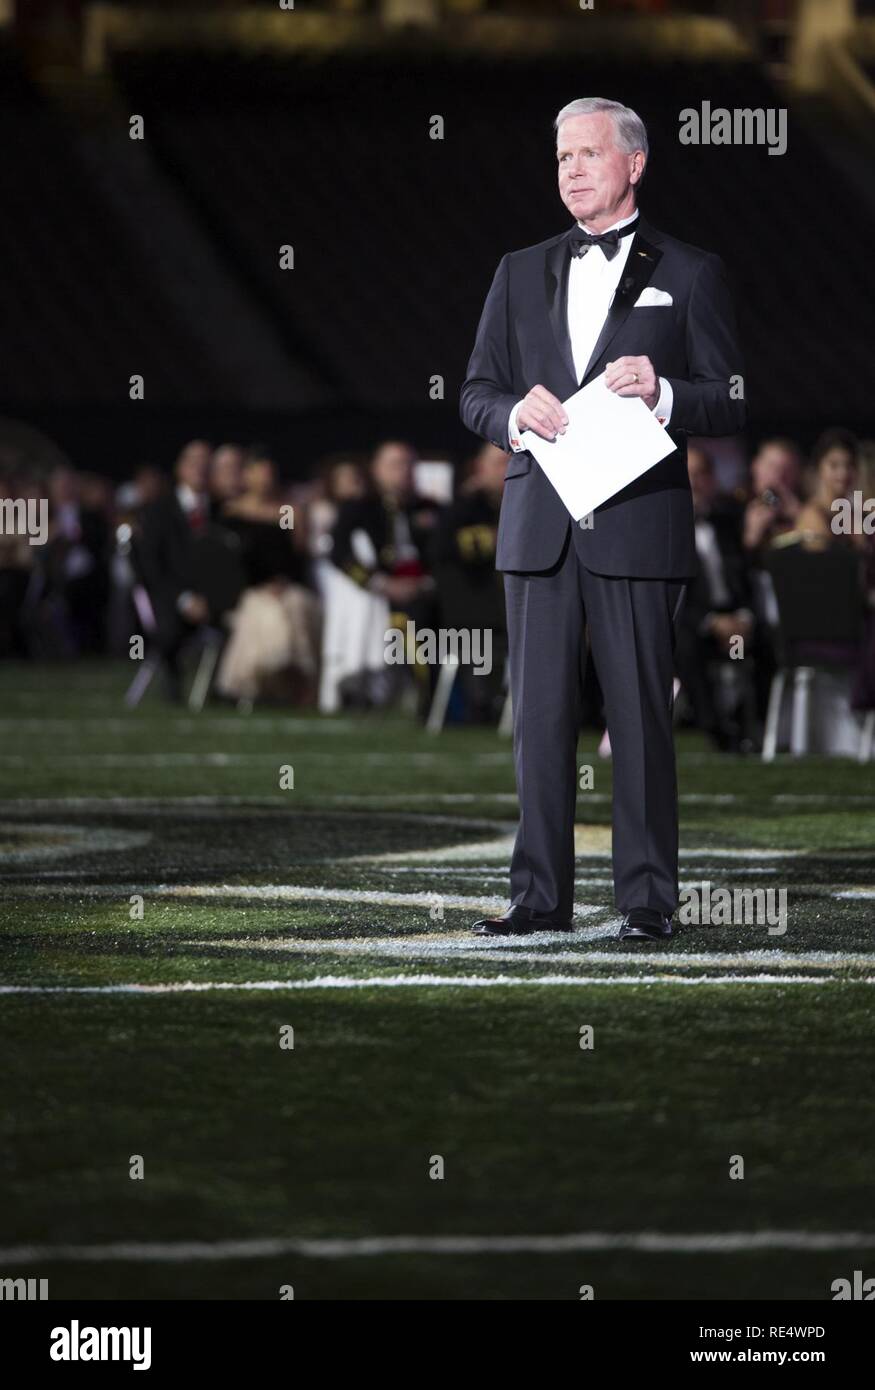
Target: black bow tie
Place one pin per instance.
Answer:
(580, 241)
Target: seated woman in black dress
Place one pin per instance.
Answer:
(273, 651)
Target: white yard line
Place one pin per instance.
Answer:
(293, 892)
(207, 806)
(31, 842)
(234, 726)
(351, 1247)
(425, 981)
(500, 849)
(220, 758)
(509, 949)
(279, 892)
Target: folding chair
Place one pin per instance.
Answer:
(819, 596)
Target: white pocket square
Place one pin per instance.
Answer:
(651, 298)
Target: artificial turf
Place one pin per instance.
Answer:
(244, 883)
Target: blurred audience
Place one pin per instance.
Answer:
(226, 474)
(165, 563)
(19, 573)
(273, 650)
(832, 477)
(75, 574)
(863, 694)
(225, 553)
(470, 590)
(717, 610)
(383, 543)
(382, 540)
(774, 503)
(339, 480)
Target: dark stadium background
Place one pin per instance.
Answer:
(396, 236)
(343, 906)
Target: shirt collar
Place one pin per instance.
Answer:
(621, 223)
(188, 498)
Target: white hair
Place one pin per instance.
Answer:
(629, 131)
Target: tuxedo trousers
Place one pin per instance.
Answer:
(631, 625)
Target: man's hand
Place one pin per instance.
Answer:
(195, 608)
(397, 588)
(759, 517)
(401, 588)
(620, 377)
(542, 412)
(725, 626)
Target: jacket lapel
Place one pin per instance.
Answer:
(643, 258)
(641, 262)
(556, 287)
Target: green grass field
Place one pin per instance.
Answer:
(167, 910)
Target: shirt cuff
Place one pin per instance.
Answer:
(662, 409)
(513, 433)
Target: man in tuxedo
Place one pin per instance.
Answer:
(383, 542)
(165, 558)
(611, 295)
(718, 605)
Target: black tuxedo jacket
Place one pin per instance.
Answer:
(169, 558)
(726, 519)
(164, 555)
(373, 515)
(646, 530)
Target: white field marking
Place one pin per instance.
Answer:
(294, 892)
(352, 1247)
(856, 893)
(600, 798)
(427, 982)
(423, 759)
(816, 798)
(506, 798)
(368, 799)
(13, 877)
(310, 893)
(211, 807)
(444, 945)
(488, 876)
(144, 759)
(74, 839)
(280, 892)
(462, 946)
(233, 725)
(500, 849)
(725, 760)
(218, 758)
(486, 872)
(495, 849)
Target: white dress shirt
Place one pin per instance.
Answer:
(711, 561)
(592, 284)
(189, 500)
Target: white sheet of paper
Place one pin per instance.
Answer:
(608, 442)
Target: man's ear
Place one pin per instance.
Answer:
(637, 171)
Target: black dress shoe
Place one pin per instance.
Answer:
(519, 921)
(645, 924)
